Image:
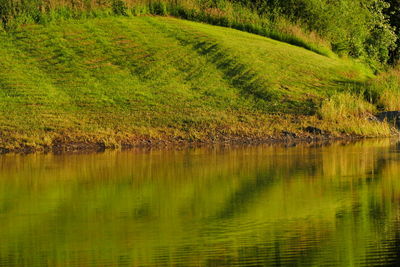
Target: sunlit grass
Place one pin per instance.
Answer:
(224, 13)
(114, 81)
(384, 91)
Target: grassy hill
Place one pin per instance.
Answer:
(118, 81)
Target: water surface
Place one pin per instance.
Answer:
(306, 205)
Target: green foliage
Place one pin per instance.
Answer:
(393, 13)
(358, 28)
(13, 13)
(158, 8)
(119, 7)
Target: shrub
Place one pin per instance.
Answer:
(358, 28)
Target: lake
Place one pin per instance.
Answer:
(271, 205)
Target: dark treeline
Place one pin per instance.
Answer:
(366, 29)
(392, 12)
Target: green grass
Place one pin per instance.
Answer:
(14, 13)
(114, 81)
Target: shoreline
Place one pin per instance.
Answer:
(77, 146)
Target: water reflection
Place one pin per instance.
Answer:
(307, 205)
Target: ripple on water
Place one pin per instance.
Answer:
(253, 206)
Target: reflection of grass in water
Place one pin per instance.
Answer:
(171, 200)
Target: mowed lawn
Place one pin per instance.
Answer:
(156, 76)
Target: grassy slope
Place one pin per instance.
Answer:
(128, 80)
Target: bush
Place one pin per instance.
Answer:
(358, 28)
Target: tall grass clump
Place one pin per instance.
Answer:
(345, 105)
(350, 113)
(384, 90)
